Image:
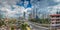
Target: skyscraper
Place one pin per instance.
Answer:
(24, 14)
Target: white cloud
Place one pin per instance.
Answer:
(57, 0)
(18, 9)
(25, 3)
(10, 2)
(54, 9)
(6, 7)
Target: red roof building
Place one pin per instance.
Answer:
(55, 15)
(55, 20)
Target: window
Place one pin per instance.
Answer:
(57, 22)
(52, 23)
(57, 16)
(52, 19)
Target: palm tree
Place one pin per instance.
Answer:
(23, 26)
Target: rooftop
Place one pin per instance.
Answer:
(55, 15)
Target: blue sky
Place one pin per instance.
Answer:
(15, 8)
(21, 3)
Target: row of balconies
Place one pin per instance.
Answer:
(56, 18)
(55, 25)
(55, 21)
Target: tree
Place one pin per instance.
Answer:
(23, 26)
(1, 23)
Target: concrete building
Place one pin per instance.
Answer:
(55, 21)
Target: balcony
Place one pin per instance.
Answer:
(55, 18)
(55, 24)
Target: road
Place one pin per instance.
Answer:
(36, 27)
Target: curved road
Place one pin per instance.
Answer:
(36, 27)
